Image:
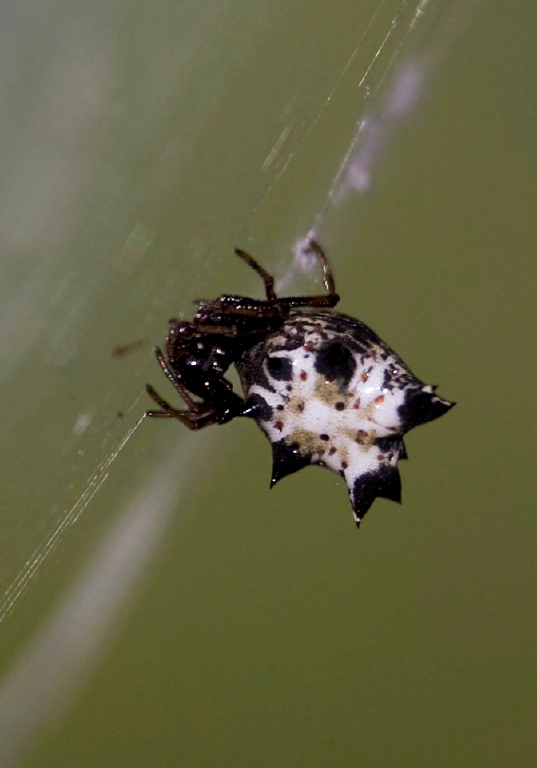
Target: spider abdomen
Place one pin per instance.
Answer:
(326, 390)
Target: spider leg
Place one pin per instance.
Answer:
(331, 298)
(218, 404)
(191, 420)
(175, 380)
(328, 278)
(310, 301)
(268, 280)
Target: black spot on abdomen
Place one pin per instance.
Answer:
(280, 368)
(335, 361)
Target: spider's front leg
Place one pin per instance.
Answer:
(191, 419)
(175, 380)
(217, 405)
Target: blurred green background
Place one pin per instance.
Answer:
(141, 143)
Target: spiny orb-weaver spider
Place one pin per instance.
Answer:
(323, 387)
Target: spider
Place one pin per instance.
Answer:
(199, 352)
(322, 386)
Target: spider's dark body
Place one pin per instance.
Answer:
(323, 387)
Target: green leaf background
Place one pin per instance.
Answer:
(160, 607)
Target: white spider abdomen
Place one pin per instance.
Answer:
(326, 390)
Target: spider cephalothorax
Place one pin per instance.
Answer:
(322, 386)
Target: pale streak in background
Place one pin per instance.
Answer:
(432, 32)
(434, 35)
(69, 645)
(66, 649)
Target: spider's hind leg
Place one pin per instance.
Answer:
(328, 278)
(331, 298)
(267, 279)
